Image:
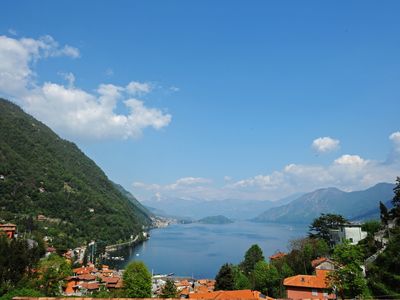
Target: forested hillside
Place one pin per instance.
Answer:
(40, 173)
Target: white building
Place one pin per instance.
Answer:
(350, 232)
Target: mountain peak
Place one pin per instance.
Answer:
(329, 200)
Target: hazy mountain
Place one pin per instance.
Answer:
(215, 220)
(352, 205)
(44, 174)
(197, 208)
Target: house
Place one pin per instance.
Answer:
(71, 286)
(350, 232)
(277, 256)
(230, 295)
(114, 282)
(323, 263)
(9, 229)
(84, 270)
(311, 286)
(106, 272)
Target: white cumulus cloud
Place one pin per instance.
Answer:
(350, 160)
(395, 138)
(68, 109)
(325, 144)
(348, 172)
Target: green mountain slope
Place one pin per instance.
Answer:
(40, 173)
(352, 205)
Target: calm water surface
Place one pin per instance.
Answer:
(199, 250)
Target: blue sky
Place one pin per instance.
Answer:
(224, 99)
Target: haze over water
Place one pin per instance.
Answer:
(199, 250)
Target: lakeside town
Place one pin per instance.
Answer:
(200, 150)
(95, 279)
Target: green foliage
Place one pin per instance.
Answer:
(384, 213)
(384, 273)
(44, 174)
(371, 226)
(169, 290)
(396, 199)
(17, 259)
(102, 293)
(225, 279)
(241, 282)
(253, 255)
(266, 279)
(348, 278)
(345, 254)
(52, 272)
(137, 281)
(303, 251)
(21, 292)
(320, 227)
(348, 281)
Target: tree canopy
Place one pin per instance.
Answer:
(396, 198)
(348, 279)
(52, 272)
(253, 255)
(320, 227)
(225, 279)
(169, 290)
(137, 280)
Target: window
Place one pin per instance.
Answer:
(314, 292)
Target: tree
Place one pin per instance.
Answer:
(371, 227)
(169, 290)
(384, 214)
(396, 198)
(17, 259)
(52, 272)
(320, 227)
(383, 273)
(266, 279)
(253, 255)
(225, 278)
(241, 281)
(137, 280)
(303, 251)
(348, 278)
(21, 292)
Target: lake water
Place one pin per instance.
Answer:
(199, 250)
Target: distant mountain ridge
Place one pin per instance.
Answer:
(196, 208)
(352, 205)
(44, 174)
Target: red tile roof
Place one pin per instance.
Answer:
(320, 260)
(229, 295)
(90, 285)
(83, 270)
(278, 255)
(110, 279)
(86, 277)
(310, 281)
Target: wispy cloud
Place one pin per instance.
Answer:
(68, 109)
